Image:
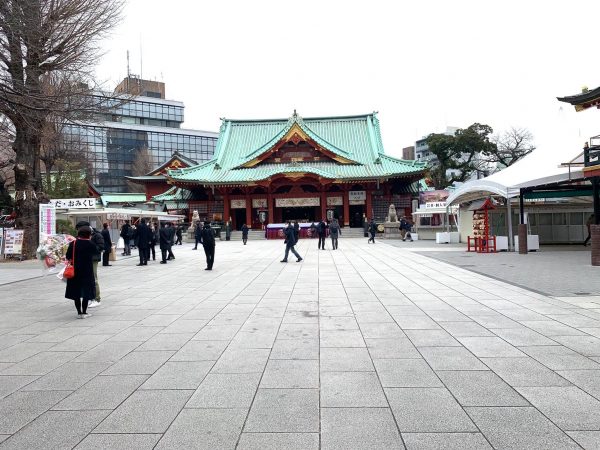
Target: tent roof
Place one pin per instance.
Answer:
(536, 169)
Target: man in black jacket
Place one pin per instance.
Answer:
(322, 230)
(171, 231)
(143, 237)
(96, 239)
(290, 241)
(107, 245)
(163, 242)
(126, 235)
(197, 235)
(207, 239)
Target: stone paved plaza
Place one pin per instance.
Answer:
(366, 347)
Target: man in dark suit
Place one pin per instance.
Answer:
(164, 242)
(208, 242)
(107, 244)
(290, 241)
(171, 231)
(143, 237)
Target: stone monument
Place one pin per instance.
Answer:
(391, 226)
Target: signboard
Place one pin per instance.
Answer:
(297, 202)
(429, 205)
(335, 201)
(117, 216)
(13, 242)
(238, 204)
(357, 195)
(47, 220)
(259, 203)
(80, 203)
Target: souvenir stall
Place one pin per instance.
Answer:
(481, 241)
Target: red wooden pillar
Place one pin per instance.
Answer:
(323, 206)
(226, 206)
(346, 208)
(368, 206)
(271, 213)
(248, 211)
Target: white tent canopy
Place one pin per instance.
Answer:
(536, 169)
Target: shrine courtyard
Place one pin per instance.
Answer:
(366, 347)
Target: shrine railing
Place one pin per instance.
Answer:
(591, 152)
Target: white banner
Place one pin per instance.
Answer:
(335, 201)
(80, 203)
(47, 220)
(117, 216)
(357, 195)
(435, 205)
(297, 202)
(13, 242)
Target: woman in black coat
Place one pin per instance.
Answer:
(83, 285)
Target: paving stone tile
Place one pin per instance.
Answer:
(217, 332)
(341, 338)
(55, 429)
(351, 389)
(119, 442)
(178, 375)
(291, 374)
(392, 348)
(480, 388)
(80, 343)
(490, 347)
(406, 373)
(12, 383)
(254, 339)
(587, 439)
(427, 410)
(166, 341)
(345, 360)
(466, 329)
(298, 331)
(20, 408)
(523, 336)
(381, 330)
(551, 328)
(182, 326)
(585, 345)
(200, 351)
(204, 429)
(284, 410)
(295, 349)
(139, 363)
(524, 372)
(431, 338)
(67, 377)
(587, 380)
(108, 352)
(445, 441)
(338, 323)
(519, 427)
(228, 390)
(40, 364)
(560, 358)
(102, 392)
(136, 334)
(451, 358)
(567, 406)
(416, 323)
(359, 428)
(23, 350)
(241, 361)
(145, 412)
(278, 441)
(159, 320)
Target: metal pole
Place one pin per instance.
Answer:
(509, 218)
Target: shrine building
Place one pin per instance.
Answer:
(305, 169)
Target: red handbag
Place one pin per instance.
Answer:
(70, 268)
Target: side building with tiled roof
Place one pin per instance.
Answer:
(305, 169)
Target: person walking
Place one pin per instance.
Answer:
(143, 237)
(107, 245)
(164, 241)
(588, 224)
(96, 239)
(244, 233)
(405, 227)
(179, 234)
(171, 230)
(313, 230)
(154, 240)
(290, 242)
(197, 235)
(372, 230)
(334, 232)
(126, 235)
(322, 230)
(296, 230)
(208, 243)
(82, 287)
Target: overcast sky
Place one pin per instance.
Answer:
(423, 65)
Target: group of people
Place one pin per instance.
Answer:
(146, 237)
(405, 230)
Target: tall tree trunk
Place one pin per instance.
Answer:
(27, 184)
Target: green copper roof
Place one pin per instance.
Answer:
(356, 139)
(173, 194)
